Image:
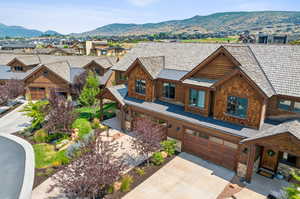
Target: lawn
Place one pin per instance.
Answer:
(90, 113)
(46, 156)
(213, 40)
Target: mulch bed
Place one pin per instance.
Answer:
(137, 179)
(10, 110)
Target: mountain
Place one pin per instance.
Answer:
(264, 21)
(19, 31)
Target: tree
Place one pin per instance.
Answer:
(37, 112)
(60, 113)
(90, 90)
(15, 88)
(79, 82)
(92, 173)
(11, 89)
(293, 191)
(147, 137)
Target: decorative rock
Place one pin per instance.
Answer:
(164, 154)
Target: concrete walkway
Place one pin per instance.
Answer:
(14, 121)
(186, 176)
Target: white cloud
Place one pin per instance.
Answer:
(142, 3)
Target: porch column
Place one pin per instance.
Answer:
(250, 162)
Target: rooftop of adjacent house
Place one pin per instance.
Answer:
(75, 61)
(274, 68)
(177, 111)
(6, 74)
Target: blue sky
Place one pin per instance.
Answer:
(68, 16)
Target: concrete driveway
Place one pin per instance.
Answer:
(186, 176)
(14, 121)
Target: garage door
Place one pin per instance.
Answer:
(210, 148)
(37, 93)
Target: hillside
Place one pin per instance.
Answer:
(235, 22)
(19, 31)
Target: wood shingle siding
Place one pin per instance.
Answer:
(217, 68)
(138, 73)
(239, 87)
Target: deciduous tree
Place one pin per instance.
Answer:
(147, 137)
(90, 90)
(92, 173)
(60, 114)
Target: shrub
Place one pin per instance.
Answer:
(40, 136)
(157, 158)
(83, 125)
(169, 146)
(140, 171)
(96, 123)
(56, 137)
(126, 183)
(111, 189)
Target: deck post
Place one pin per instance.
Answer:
(250, 162)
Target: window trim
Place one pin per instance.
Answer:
(189, 100)
(138, 86)
(234, 115)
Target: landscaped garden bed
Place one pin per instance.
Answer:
(138, 175)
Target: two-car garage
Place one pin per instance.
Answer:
(210, 148)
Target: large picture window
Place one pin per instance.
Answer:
(237, 106)
(140, 86)
(169, 90)
(197, 98)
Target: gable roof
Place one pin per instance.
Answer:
(275, 69)
(153, 64)
(292, 127)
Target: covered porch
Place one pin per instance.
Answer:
(274, 153)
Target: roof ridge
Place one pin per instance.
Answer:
(263, 71)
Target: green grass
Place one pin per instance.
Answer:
(45, 155)
(90, 113)
(212, 40)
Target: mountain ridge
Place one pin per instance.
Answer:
(216, 22)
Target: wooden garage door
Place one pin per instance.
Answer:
(37, 93)
(210, 148)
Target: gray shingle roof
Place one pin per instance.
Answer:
(281, 63)
(6, 74)
(274, 68)
(292, 127)
(200, 82)
(61, 68)
(171, 74)
(153, 64)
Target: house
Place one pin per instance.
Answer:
(43, 73)
(14, 46)
(96, 47)
(235, 105)
(272, 39)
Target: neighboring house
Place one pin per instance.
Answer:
(235, 105)
(44, 72)
(24, 46)
(272, 39)
(55, 51)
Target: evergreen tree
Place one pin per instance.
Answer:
(90, 90)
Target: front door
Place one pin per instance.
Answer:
(269, 159)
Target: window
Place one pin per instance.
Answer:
(289, 105)
(18, 68)
(121, 76)
(285, 104)
(140, 86)
(197, 98)
(169, 90)
(289, 159)
(297, 107)
(237, 106)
